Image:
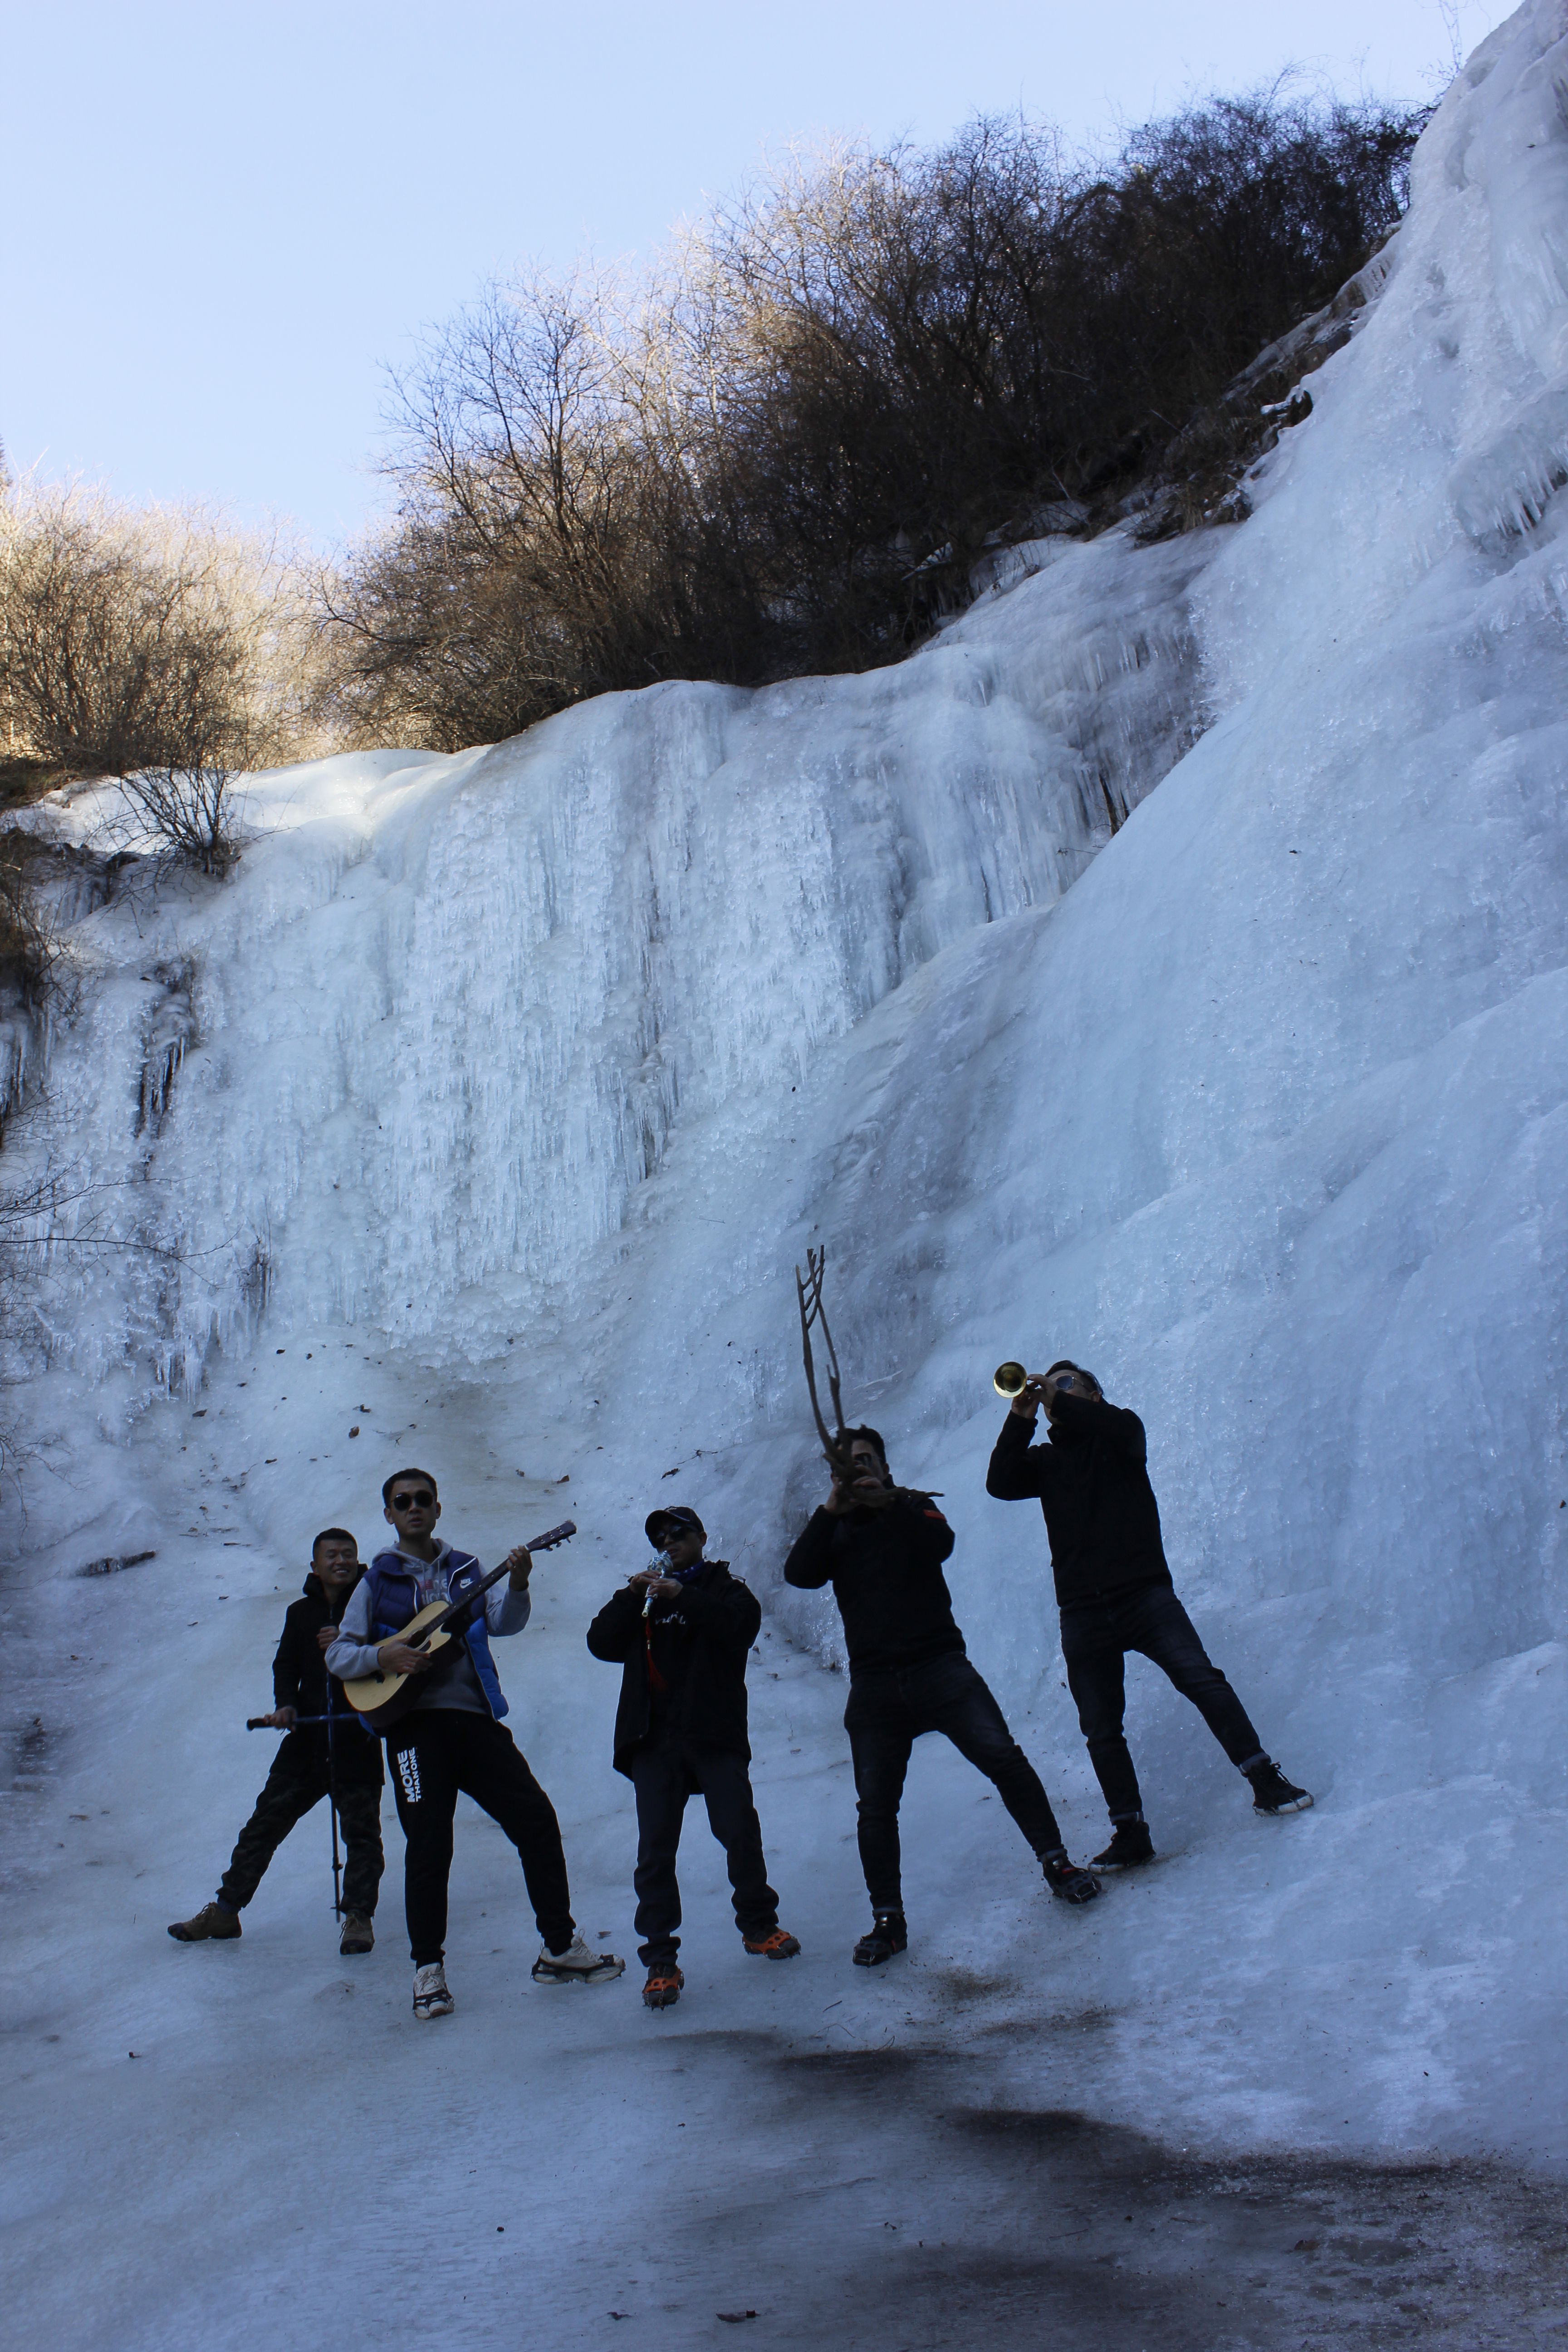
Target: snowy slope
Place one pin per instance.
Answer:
(489, 1107)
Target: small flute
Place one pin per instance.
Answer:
(662, 1565)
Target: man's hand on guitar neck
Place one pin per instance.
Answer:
(521, 1563)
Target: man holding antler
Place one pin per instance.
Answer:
(453, 1740)
(882, 1549)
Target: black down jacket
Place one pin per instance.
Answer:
(701, 1643)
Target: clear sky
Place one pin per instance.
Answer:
(224, 217)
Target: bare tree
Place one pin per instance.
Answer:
(783, 448)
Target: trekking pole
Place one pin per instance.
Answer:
(333, 1809)
(337, 1867)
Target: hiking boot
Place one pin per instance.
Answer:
(1131, 1843)
(575, 1965)
(662, 1989)
(358, 1936)
(212, 1924)
(778, 1943)
(1067, 1881)
(1271, 1792)
(431, 1998)
(886, 1935)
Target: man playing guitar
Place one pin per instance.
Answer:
(453, 1740)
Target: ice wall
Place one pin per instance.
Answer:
(449, 1016)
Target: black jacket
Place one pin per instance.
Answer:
(714, 1623)
(1101, 1512)
(884, 1568)
(300, 1680)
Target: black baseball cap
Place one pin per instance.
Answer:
(674, 1514)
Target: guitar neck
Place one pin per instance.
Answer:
(547, 1542)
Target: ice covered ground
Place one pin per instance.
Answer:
(486, 1112)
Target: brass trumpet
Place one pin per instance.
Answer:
(1008, 1380)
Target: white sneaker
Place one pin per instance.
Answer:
(431, 1998)
(576, 1965)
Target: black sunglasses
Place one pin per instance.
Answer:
(420, 1500)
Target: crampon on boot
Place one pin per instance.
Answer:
(578, 1964)
(1131, 1843)
(778, 1943)
(886, 1935)
(1272, 1793)
(1066, 1882)
(431, 1998)
(662, 1989)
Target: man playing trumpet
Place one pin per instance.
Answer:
(1113, 1588)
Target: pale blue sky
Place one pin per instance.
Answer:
(222, 219)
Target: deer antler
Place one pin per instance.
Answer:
(836, 1448)
(809, 1294)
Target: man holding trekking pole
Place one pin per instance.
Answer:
(317, 1759)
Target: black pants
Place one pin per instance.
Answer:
(664, 1775)
(1095, 1638)
(887, 1713)
(433, 1754)
(295, 1786)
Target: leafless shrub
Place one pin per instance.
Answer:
(193, 809)
(160, 648)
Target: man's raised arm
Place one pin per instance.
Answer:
(1017, 1465)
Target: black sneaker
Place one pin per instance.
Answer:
(1272, 1793)
(886, 1935)
(1067, 1881)
(1131, 1843)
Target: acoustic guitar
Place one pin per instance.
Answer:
(382, 1699)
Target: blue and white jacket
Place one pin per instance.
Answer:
(387, 1596)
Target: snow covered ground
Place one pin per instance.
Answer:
(486, 1111)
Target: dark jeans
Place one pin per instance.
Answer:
(433, 1754)
(887, 1713)
(1095, 1638)
(295, 1786)
(664, 1774)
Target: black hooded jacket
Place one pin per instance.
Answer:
(1091, 1484)
(884, 1568)
(300, 1680)
(700, 1645)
